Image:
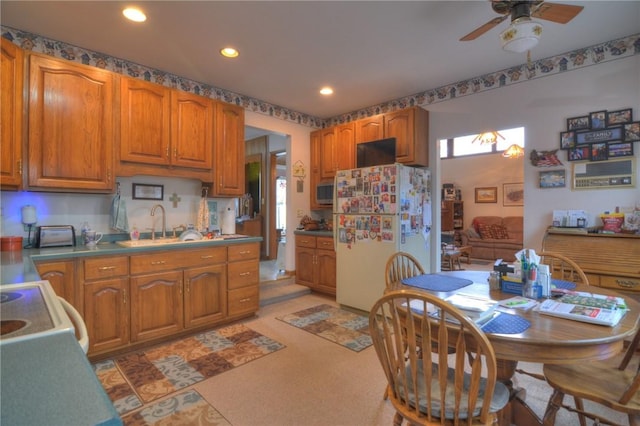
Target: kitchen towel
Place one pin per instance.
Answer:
(202, 222)
(118, 219)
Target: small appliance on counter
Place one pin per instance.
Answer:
(55, 236)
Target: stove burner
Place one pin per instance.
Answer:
(9, 326)
(8, 296)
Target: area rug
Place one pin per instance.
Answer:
(184, 408)
(141, 377)
(334, 324)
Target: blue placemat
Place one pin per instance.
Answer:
(566, 285)
(505, 323)
(435, 282)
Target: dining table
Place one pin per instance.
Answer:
(536, 337)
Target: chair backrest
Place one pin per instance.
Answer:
(563, 268)
(399, 266)
(419, 367)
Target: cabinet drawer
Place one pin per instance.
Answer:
(620, 283)
(244, 252)
(306, 241)
(244, 300)
(105, 267)
(324, 243)
(177, 259)
(242, 274)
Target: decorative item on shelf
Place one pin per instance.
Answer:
(300, 173)
(544, 158)
(514, 151)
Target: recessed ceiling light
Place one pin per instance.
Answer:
(229, 52)
(326, 91)
(134, 14)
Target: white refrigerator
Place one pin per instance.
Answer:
(378, 211)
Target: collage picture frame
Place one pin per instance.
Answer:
(600, 135)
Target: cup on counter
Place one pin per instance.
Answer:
(91, 238)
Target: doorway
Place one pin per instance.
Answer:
(277, 201)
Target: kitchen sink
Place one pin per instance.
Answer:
(167, 241)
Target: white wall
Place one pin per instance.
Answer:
(542, 107)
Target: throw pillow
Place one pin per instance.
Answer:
(472, 233)
(494, 232)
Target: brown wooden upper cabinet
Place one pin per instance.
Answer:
(160, 126)
(336, 149)
(71, 120)
(228, 167)
(12, 74)
(409, 126)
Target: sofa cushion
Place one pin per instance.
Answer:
(495, 232)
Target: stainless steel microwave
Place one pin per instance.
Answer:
(324, 193)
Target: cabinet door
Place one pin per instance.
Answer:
(70, 126)
(191, 130)
(328, 161)
(11, 75)
(61, 275)
(326, 270)
(345, 146)
(156, 305)
(370, 129)
(305, 264)
(315, 168)
(410, 127)
(204, 295)
(145, 111)
(229, 150)
(106, 313)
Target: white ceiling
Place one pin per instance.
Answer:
(369, 51)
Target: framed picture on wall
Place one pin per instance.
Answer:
(579, 153)
(512, 194)
(578, 123)
(553, 179)
(620, 116)
(620, 149)
(599, 151)
(598, 119)
(567, 139)
(487, 195)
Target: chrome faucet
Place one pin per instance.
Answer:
(164, 221)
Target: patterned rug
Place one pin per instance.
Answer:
(334, 324)
(141, 377)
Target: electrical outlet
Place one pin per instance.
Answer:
(300, 213)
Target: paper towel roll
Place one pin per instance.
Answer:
(228, 222)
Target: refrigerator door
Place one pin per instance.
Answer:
(378, 211)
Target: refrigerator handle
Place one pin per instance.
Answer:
(334, 213)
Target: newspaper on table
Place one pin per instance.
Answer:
(586, 307)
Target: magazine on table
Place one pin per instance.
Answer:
(478, 309)
(586, 307)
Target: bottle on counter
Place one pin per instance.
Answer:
(544, 278)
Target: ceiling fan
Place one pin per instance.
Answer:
(524, 33)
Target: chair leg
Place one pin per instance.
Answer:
(553, 405)
(386, 393)
(580, 407)
(397, 419)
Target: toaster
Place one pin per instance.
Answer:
(55, 236)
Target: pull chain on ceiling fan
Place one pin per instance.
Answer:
(524, 32)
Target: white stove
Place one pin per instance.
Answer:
(30, 310)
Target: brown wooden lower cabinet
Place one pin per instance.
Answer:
(316, 263)
(608, 260)
(129, 300)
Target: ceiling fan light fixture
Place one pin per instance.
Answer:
(523, 34)
(514, 151)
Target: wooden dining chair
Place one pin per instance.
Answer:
(563, 268)
(444, 388)
(614, 385)
(401, 265)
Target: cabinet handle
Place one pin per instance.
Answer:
(167, 152)
(304, 241)
(245, 252)
(158, 262)
(186, 284)
(180, 287)
(175, 152)
(244, 274)
(20, 167)
(248, 299)
(206, 257)
(124, 297)
(627, 283)
(327, 244)
(106, 268)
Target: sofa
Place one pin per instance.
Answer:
(494, 237)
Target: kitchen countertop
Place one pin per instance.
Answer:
(49, 381)
(316, 233)
(18, 266)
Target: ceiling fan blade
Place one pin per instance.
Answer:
(556, 12)
(483, 29)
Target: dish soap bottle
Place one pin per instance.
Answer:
(134, 234)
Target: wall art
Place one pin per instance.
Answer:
(620, 116)
(553, 179)
(143, 191)
(512, 194)
(487, 195)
